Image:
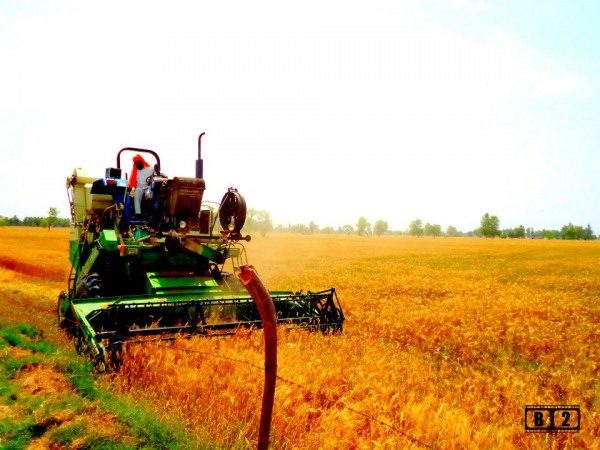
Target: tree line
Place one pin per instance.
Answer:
(51, 220)
(490, 227)
(260, 221)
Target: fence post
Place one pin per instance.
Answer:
(266, 308)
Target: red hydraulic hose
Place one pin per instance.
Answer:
(264, 303)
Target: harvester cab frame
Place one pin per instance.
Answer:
(171, 271)
(154, 182)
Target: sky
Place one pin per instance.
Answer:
(314, 110)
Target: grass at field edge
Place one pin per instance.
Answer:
(51, 397)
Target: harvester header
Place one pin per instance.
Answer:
(150, 256)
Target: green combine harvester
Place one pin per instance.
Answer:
(170, 269)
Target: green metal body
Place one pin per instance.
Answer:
(166, 273)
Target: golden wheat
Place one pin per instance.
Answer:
(445, 340)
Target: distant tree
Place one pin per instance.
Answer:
(380, 227)
(572, 232)
(363, 226)
(432, 229)
(518, 232)
(588, 233)
(451, 231)
(258, 221)
(490, 226)
(327, 230)
(348, 229)
(427, 229)
(313, 227)
(299, 228)
(36, 222)
(14, 220)
(416, 228)
(547, 234)
(52, 216)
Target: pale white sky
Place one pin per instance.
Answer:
(321, 111)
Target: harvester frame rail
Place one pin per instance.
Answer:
(102, 323)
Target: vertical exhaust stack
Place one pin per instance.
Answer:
(199, 162)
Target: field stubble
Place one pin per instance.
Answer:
(445, 339)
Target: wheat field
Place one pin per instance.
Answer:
(445, 342)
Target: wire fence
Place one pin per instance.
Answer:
(159, 342)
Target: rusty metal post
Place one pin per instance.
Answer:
(264, 303)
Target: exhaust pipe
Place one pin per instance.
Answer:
(199, 162)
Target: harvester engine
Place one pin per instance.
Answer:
(147, 261)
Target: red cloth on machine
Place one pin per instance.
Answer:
(134, 171)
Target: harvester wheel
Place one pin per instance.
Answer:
(64, 315)
(90, 286)
(79, 344)
(59, 314)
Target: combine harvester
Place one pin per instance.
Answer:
(170, 270)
